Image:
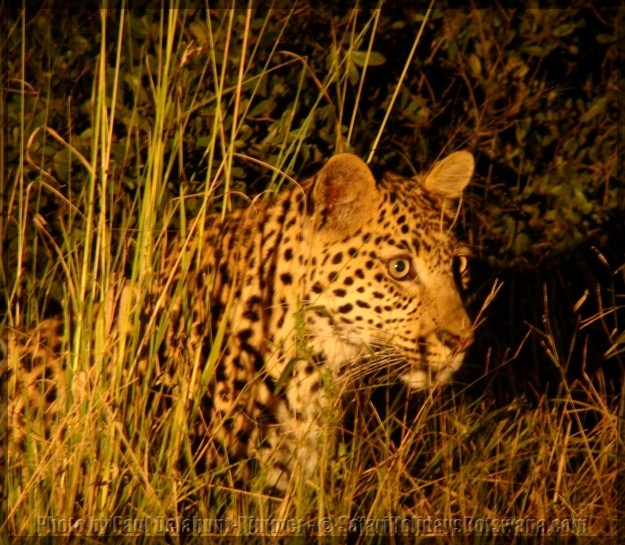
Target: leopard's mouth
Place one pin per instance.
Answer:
(433, 372)
(385, 363)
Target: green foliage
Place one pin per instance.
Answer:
(534, 93)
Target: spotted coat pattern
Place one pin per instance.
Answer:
(293, 301)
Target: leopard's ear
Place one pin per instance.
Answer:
(344, 192)
(449, 176)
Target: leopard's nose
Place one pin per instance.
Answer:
(455, 342)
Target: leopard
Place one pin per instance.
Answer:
(287, 305)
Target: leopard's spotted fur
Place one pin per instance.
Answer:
(339, 279)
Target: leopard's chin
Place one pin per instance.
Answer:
(437, 374)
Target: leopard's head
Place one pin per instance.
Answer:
(385, 271)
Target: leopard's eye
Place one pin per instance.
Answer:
(400, 268)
